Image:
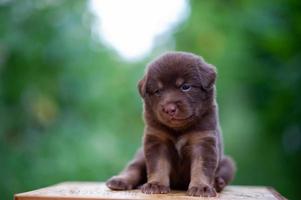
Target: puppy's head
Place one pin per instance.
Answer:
(177, 88)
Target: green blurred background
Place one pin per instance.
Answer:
(69, 108)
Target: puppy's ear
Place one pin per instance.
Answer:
(142, 86)
(207, 74)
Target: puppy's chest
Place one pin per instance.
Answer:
(182, 146)
(186, 143)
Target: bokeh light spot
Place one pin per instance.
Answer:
(132, 26)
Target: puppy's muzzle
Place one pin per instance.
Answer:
(170, 109)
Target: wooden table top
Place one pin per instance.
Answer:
(99, 191)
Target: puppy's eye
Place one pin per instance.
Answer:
(157, 92)
(185, 87)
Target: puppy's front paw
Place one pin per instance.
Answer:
(154, 188)
(201, 190)
(118, 183)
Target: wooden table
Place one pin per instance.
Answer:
(98, 191)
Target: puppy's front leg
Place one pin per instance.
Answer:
(158, 164)
(204, 159)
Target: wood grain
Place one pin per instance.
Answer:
(98, 191)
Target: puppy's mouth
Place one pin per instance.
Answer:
(180, 119)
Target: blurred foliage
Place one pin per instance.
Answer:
(69, 109)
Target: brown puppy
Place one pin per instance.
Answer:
(182, 141)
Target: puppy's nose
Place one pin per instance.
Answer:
(170, 109)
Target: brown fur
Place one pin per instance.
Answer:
(182, 145)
